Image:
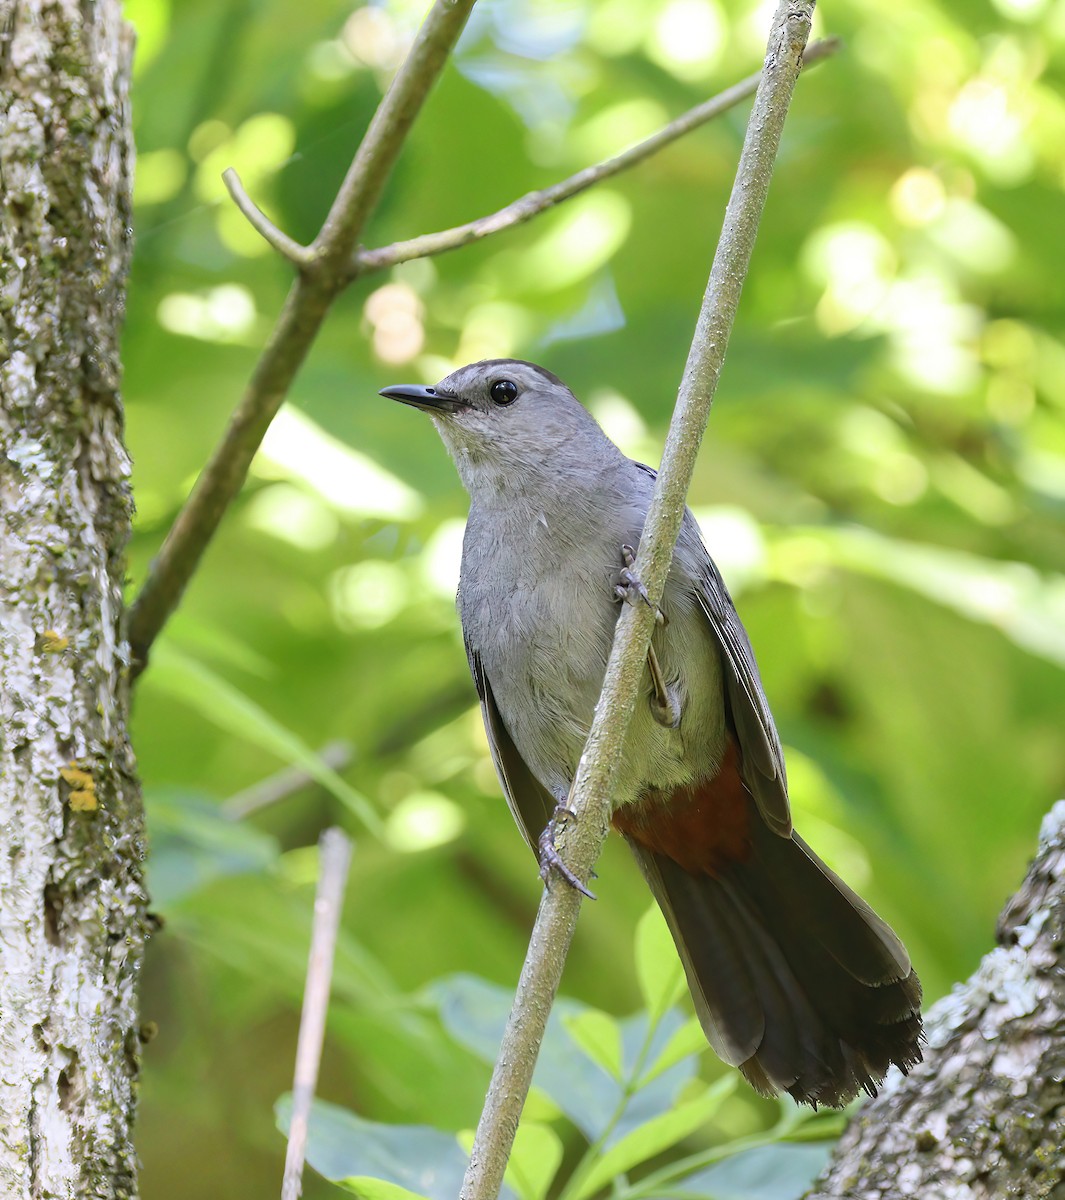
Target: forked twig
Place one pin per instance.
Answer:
(533, 203)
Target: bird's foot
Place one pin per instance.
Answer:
(631, 588)
(550, 859)
(664, 704)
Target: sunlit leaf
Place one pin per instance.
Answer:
(599, 1036)
(687, 1042)
(658, 967)
(534, 1160)
(367, 1188)
(475, 1013)
(1028, 608)
(656, 1135)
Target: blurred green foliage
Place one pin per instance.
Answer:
(883, 484)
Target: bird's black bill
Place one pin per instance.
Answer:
(428, 399)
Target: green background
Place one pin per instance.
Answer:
(882, 483)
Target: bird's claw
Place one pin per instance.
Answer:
(665, 708)
(631, 588)
(550, 859)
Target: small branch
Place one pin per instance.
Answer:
(533, 203)
(334, 858)
(285, 246)
(276, 788)
(324, 275)
(388, 130)
(591, 794)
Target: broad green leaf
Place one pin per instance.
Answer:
(475, 1013)
(641, 1044)
(599, 1036)
(688, 1041)
(210, 693)
(776, 1172)
(657, 1135)
(534, 1160)
(658, 969)
(347, 1149)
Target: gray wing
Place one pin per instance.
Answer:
(530, 803)
(761, 755)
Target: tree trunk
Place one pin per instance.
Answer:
(983, 1118)
(72, 902)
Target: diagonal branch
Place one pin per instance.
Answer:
(322, 277)
(591, 794)
(533, 203)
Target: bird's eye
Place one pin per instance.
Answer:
(503, 391)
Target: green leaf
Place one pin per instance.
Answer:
(658, 969)
(776, 1172)
(657, 1135)
(475, 1013)
(368, 1157)
(209, 693)
(687, 1042)
(367, 1188)
(599, 1036)
(534, 1160)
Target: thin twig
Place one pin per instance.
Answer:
(533, 203)
(285, 246)
(388, 130)
(591, 794)
(323, 277)
(334, 858)
(278, 787)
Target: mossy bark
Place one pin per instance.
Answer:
(72, 901)
(983, 1118)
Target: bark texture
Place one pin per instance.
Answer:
(72, 903)
(983, 1118)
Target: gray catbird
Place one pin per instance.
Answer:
(795, 979)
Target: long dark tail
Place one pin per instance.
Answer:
(796, 980)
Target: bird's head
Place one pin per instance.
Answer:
(508, 424)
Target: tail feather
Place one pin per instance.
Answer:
(796, 980)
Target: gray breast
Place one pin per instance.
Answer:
(537, 604)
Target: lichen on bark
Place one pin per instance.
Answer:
(72, 901)
(983, 1118)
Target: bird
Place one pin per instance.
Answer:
(795, 979)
